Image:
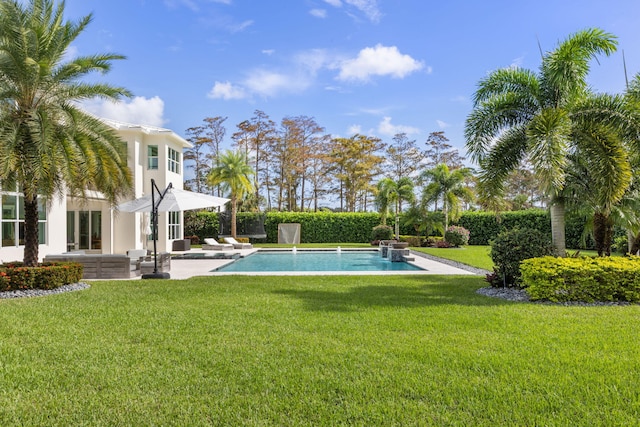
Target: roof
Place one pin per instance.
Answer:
(146, 129)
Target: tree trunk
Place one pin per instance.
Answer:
(634, 243)
(31, 231)
(234, 209)
(558, 226)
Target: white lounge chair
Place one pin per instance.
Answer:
(211, 244)
(238, 245)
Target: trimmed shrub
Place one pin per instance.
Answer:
(203, 224)
(485, 226)
(456, 236)
(414, 241)
(586, 279)
(382, 232)
(512, 247)
(50, 275)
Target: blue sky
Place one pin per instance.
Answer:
(376, 67)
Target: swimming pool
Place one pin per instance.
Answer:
(316, 261)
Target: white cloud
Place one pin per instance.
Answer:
(139, 110)
(368, 7)
(378, 61)
(70, 54)
(236, 28)
(318, 13)
(268, 51)
(354, 129)
(270, 83)
(442, 125)
(226, 91)
(385, 127)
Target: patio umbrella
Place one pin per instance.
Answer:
(173, 200)
(168, 200)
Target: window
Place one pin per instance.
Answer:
(174, 226)
(90, 228)
(13, 220)
(174, 161)
(152, 157)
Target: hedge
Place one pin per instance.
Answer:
(582, 279)
(319, 227)
(50, 275)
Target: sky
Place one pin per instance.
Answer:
(374, 67)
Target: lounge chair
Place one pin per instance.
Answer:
(238, 245)
(211, 244)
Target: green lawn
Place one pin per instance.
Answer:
(295, 351)
(476, 256)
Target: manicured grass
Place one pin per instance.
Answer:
(476, 256)
(374, 350)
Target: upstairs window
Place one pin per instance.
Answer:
(152, 157)
(174, 161)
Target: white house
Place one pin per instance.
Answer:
(92, 225)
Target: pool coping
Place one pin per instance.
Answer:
(202, 266)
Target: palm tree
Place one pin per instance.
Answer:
(422, 220)
(448, 186)
(233, 173)
(519, 114)
(390, 192)
(49, 147)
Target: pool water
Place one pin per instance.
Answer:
(316, 261)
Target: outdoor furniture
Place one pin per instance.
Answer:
(101, 266)
(238, 245)
(181, 245)
(135, 256)
(148, 265)
(211, 244)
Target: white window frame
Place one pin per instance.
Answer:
(175, 230)
(152, 161)
(18, 221)
(173, 160)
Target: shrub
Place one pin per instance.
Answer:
(414, 241)
(382, 232)
(456, 236)
(512, 247)
(15, 276)
(195, 240)
(587, 279)
(621, 245)
(442, 244)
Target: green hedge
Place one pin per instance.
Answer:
(50, 275)
(319, 227)
(582, 279)
(485, 226)
(324, 227)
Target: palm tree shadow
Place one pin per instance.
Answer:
(417, 291)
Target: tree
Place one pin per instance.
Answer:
(403, 157)
(235, 175)
(519, 114)
(214, 136)
(255, 135)
(50, 147)
(439, 151)
(197, 154)
(355, 164)
(448, 186)
(391, 193)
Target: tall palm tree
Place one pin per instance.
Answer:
(233, 173)
(519, 114)
(48, 146)
(448, 186)
(392, 193)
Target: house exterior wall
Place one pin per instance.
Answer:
(97, 227)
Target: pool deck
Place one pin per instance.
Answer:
(203, 266)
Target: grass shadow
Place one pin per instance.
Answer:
(409, 292)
